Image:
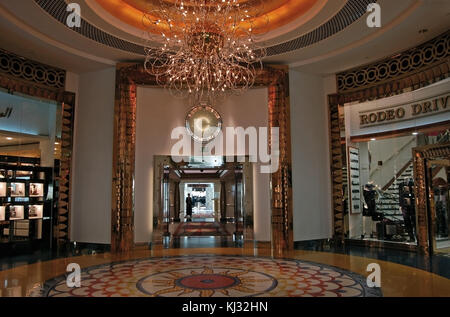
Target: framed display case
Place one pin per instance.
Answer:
(26, 206)
(36, 190)
(3, 186)
(354, 181)
(17, 189)
(35, 211)
(16, 212)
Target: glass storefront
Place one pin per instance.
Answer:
(30, 149)
(378, 139)
(380, 186)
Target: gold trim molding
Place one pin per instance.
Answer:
(128, 77)
(422, 191)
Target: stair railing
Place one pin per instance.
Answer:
(395, 154)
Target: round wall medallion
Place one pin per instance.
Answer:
(203, 123)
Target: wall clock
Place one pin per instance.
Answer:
(203, 123)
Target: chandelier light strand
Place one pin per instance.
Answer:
(207, 48)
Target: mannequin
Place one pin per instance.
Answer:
(441, 212)
(406, 202)
(370, 195)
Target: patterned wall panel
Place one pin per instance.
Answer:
(31, 71)
(398, 66)
(336, 171)
(62, 232)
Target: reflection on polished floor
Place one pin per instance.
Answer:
(245, 271)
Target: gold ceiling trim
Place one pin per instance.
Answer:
(279, 12)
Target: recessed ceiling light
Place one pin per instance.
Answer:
(373, 139)
(415, 133)
(56, 143)
(9, 138)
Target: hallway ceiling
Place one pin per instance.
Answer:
(316, 36)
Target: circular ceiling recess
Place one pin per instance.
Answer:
(349, 13)
(278, 12)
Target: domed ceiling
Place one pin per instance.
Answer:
(316, 36)
(278, 12)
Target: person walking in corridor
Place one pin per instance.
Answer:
(189, 207)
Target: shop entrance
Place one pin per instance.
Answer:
(31, 138)
(203, 203)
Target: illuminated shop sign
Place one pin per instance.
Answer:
(409, 111)
(412, 109)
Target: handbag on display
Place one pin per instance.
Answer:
(33, 212)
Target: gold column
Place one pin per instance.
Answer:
(279, 116)
(123, 166)
(336, 170)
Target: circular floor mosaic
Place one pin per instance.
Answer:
(212, 276)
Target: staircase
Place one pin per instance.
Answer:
(388, 204)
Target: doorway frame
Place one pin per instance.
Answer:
(425, 219)
(164, 167)
(131, 75)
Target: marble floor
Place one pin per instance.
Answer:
(197, 272)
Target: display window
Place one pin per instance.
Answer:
(16, 212)
(2, 189)
(2, 213)
(378, 139)
(36, 190)
(30, 148)
(35, 211)
(17, 189)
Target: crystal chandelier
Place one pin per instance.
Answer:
(206, 47)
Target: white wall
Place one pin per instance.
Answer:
(261, 205)
(394, 153)
(310, 156)
(92, 162)
(157, 114)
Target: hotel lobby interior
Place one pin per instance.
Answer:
(199, 149)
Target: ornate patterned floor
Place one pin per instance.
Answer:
(212, 276)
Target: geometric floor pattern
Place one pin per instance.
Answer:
(212, 276)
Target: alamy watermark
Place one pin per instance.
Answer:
(73, 280)
(374, 18)
(74, 18)
(374, 278)
(231, 145)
